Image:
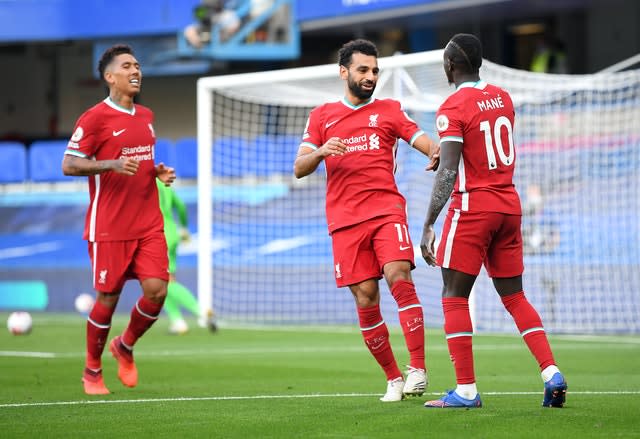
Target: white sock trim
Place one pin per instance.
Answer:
(467, 391)
(149, 316)
(530, 330)
(98, 325)
(373, 327)
(549, 372)
(417, 305)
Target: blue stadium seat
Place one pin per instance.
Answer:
(231, 157)
(45, 161)
(273, 154)
(13, 160)
(165, 152)
(186, 154)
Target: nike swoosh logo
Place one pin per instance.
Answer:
(327, 125)
(405, 248)
(117, 133)
(415, 328)
(376, 347)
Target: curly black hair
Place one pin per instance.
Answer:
(365, 47)
(111, 53)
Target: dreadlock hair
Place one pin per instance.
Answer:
(365, 47)
(111, 53)
(465, 50)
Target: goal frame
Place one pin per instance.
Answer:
(391, 68)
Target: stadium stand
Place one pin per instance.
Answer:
(230, 150)
(165, 152)
(186, 163)
(13, 160)
(274, 154)
(45, 158)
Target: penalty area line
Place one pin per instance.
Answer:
(259, 397)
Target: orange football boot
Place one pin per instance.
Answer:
(127, 371)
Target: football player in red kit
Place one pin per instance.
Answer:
(482, 225)
(357, 139)
(113, 144)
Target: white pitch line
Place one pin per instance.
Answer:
(28, 354)
(517, 345)
(258, 397)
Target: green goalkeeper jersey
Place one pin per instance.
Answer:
(170, 203)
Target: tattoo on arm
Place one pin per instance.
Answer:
(442, 188)
(78, 166)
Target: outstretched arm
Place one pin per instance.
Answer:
(442, 188)
(429, 148)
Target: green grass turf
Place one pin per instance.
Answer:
(305, 383)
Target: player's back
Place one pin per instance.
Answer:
(483, 116)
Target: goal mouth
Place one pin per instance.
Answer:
(264, 253)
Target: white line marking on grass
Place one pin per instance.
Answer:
(600, 338)
(28, 354)
(213, 351)
(203, 398)
(259, 397)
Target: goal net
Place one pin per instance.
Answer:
(264, 253)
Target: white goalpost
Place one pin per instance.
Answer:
(264, 254)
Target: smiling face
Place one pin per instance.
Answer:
(361, 77)
(123, 75)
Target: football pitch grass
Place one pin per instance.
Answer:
(305, 382)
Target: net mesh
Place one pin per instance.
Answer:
(578, 143)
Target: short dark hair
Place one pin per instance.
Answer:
(365, 47)
(465, 50)
(111, 53)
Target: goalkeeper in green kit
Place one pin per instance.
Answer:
(178, 296)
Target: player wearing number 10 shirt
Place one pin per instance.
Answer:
(366, 215)
(482, 225)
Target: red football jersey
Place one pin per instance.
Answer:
(481, 116)
(121, 207)
(361, 183)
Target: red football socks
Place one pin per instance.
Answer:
(459, 331)
(530, 326)
(376, 337)
(143, 315)
(98, 326)
(411, 319)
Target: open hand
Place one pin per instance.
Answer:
(166, 174)
(427, 245)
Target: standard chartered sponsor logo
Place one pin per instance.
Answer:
(362, 143)
(355, 139)
(374, 141)
(141, 152)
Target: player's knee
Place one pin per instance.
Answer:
(155, 290)
(397, 272)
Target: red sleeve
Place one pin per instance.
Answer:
(450, 122)
(405, 127)
(312, 136)
(85, 139)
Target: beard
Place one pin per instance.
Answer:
(358, 91)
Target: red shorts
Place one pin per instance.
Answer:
(470, 239)
(361, 251)
(115, 262)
